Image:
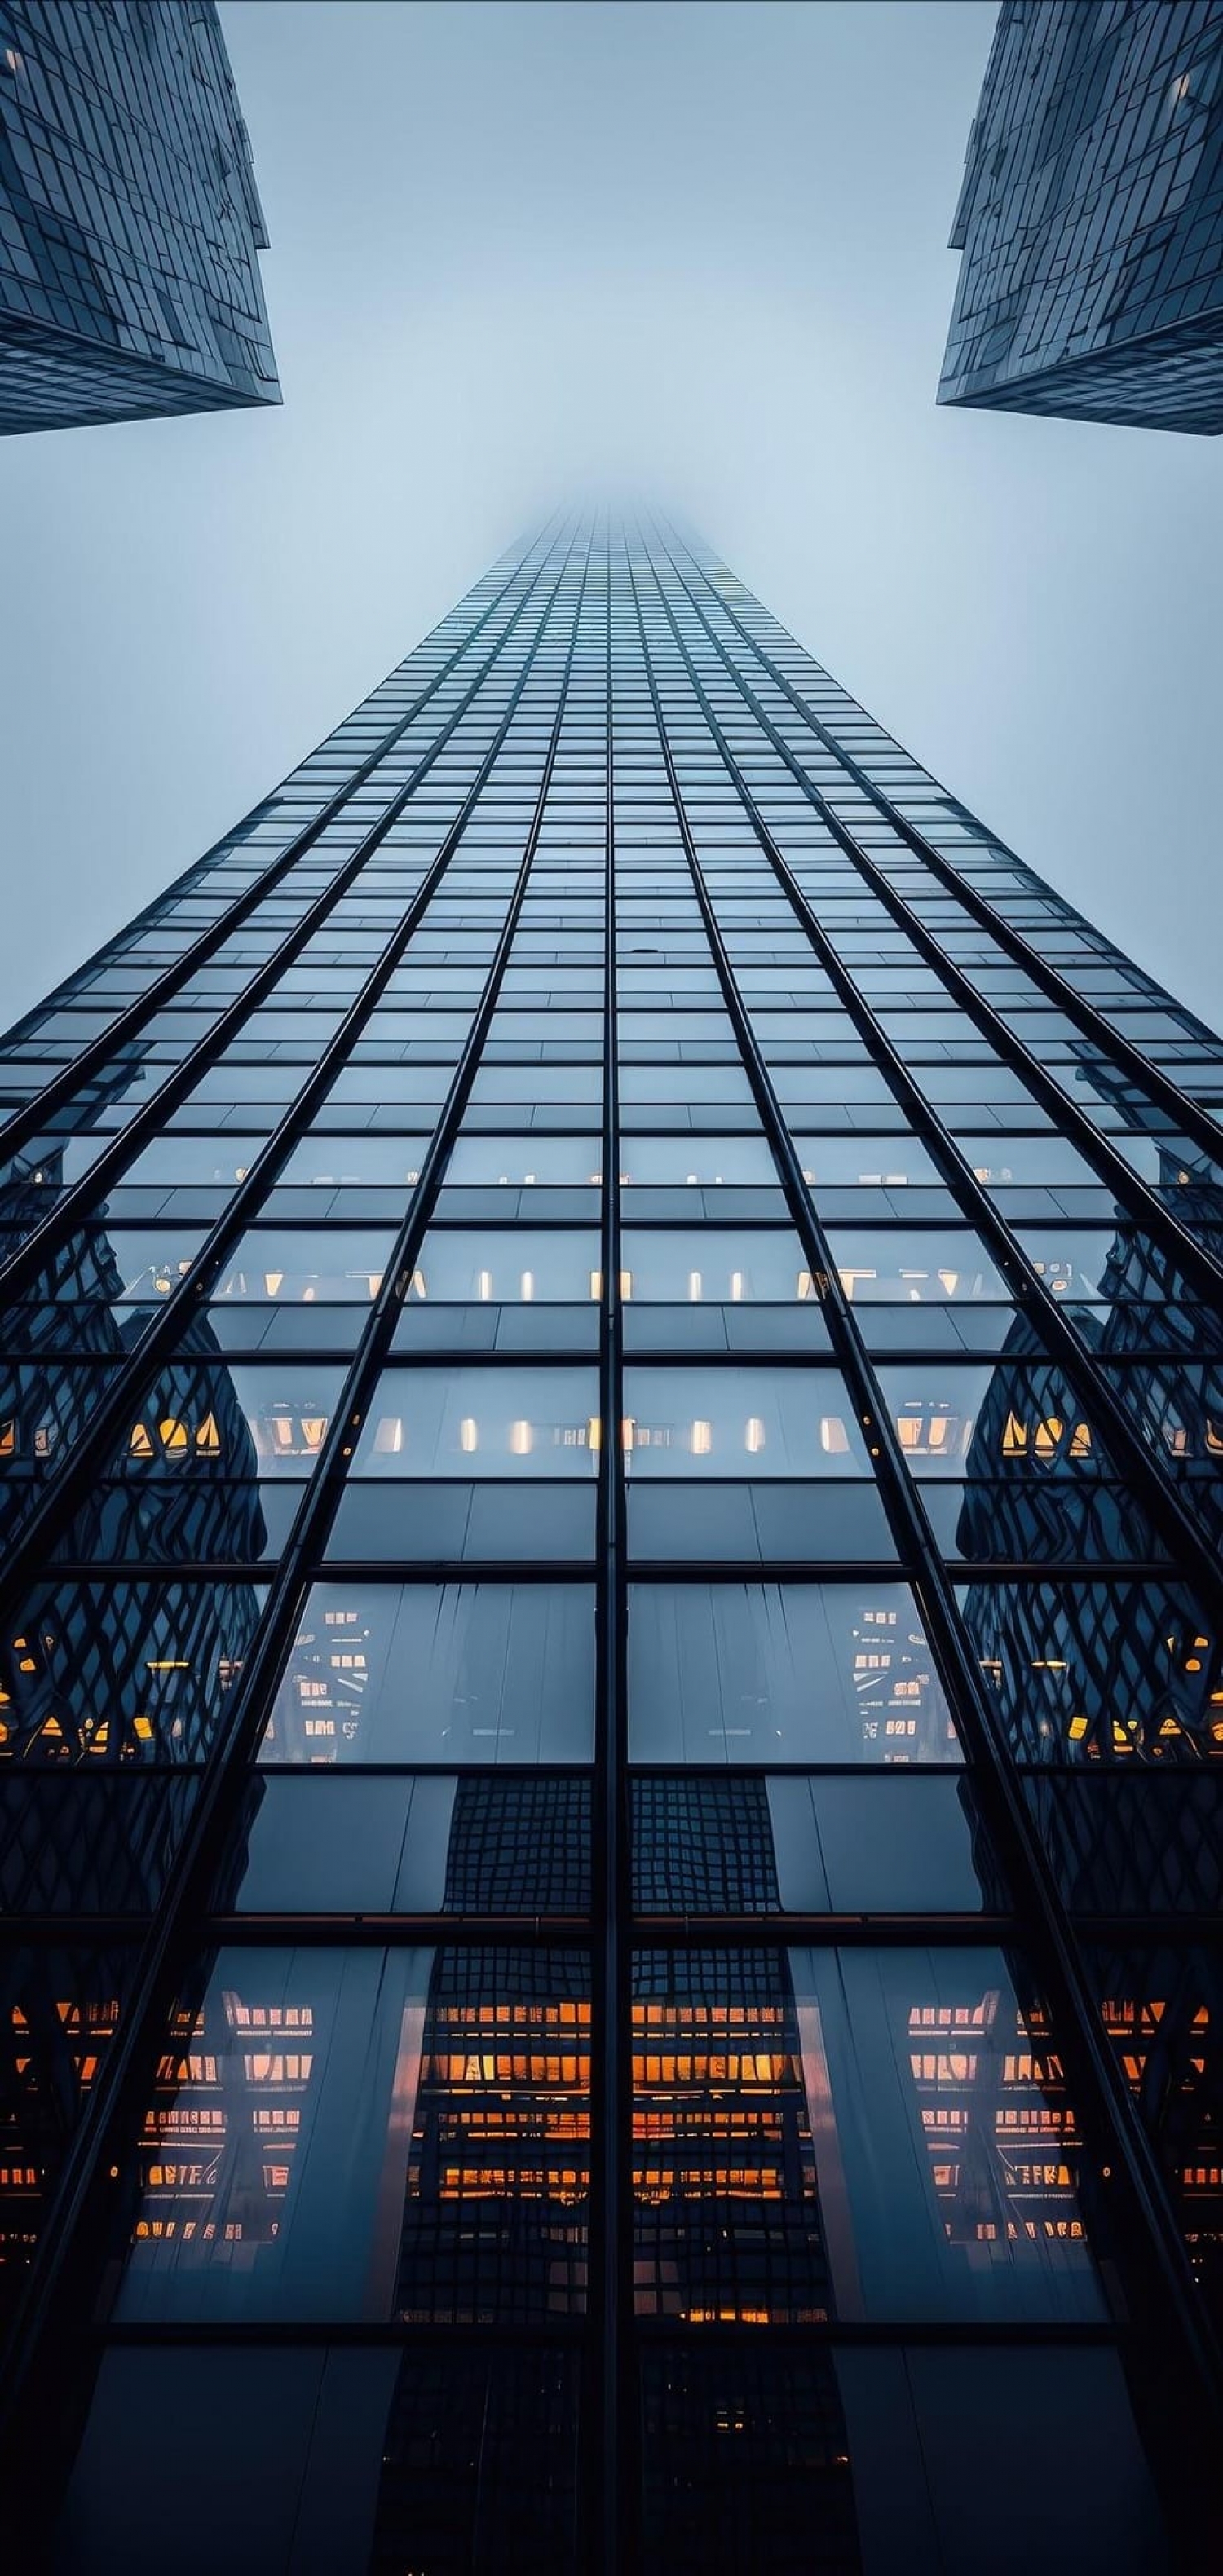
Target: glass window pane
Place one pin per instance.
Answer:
(293, 1265)
(333, 2137)
(718, 1266)
(879, 1847)
(336, 2460)
(693, 1159)
(1021, 1420)
(481, 1422)
(467, 1672)
(793, 1672)
(740, 1422)
(60, 2009)
(210, 1420)
(898, 1266)
(1126, 1672)
(330, 1161)
(413, 1844)
(938, 2434)
(524, 1161)
(514, 1265)
(945, 2150)
(753, 1845)
(273, 2174)
(893, 1161)
(123, 1266)
(122, 1672)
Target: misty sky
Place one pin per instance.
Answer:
(516, 248)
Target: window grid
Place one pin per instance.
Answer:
(601, 1515)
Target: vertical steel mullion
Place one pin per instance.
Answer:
(1157, 2273)
(1167, 1094)
(612, 2532)
(1134, 1457)
(1187, 1545)
(30, 1119)
(1186, 1250)
(67, 2265)
(26, 1263)
(88, 1455)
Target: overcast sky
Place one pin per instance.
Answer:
(515, 246)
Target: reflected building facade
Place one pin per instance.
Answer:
(1090, 218)
(130, 224)
(612, 1703)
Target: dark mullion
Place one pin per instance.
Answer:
(1157, 2274)
(723, 2331)
(1137, 1463)
(379, 1930)
(26, 1264)
(83, 2212)
(1187, 1251)
(1189, 1114)
(610, 2425)
(428, 1571)
(86, 1459)
(32, 1118)
(51, 1777)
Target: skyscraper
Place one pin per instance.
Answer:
(611, 1628)
(130, 225)
(1091, 217)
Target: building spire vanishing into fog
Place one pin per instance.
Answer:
(610, 1690)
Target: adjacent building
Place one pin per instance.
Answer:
(611, 1709)
(1091, 217)
(130, 225)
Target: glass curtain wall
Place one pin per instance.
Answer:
(610, 1698)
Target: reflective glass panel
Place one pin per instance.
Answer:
(471, 1672)
(481, 1422)
(740, 1422)
(782, 1672)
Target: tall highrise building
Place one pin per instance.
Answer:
(1091, 217)
(130, 225)
(611, 1449)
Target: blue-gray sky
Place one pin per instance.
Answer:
(515, 246)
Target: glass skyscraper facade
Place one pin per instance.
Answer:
(612, 1714)
(130, 224)
(1091, 217)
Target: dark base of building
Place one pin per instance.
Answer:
(56, 380)
(1172, 381)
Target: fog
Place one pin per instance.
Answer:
(524, 250)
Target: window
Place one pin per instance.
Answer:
(783, 1672)
(457, 1672)
(481, 1422)
(514, 1266)
(715, 1266)
(740, 1422)
(907, 1267)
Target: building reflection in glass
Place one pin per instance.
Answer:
(369, 2134)
(105, 1678)
(783, 1672)
(1163, 2011)
(858, 2134)
(59, 2011)
(480, 1672)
